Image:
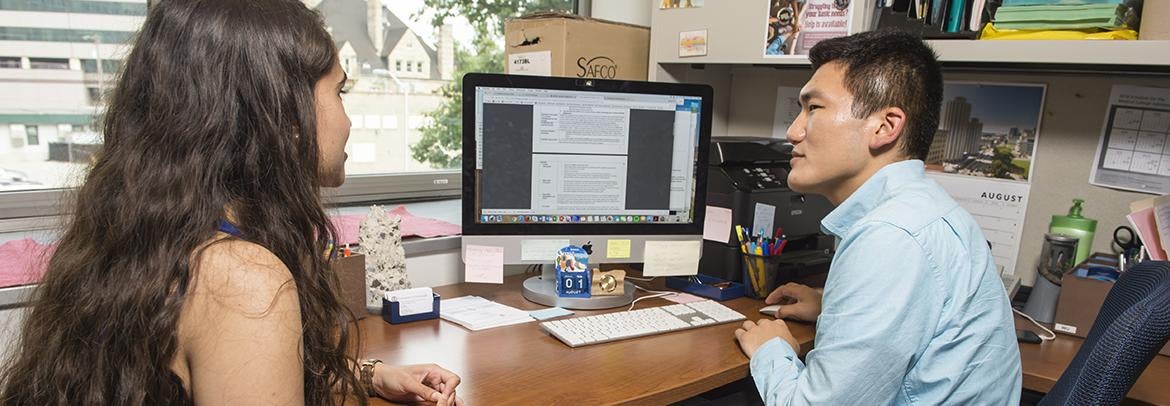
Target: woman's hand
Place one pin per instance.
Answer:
(416, 383)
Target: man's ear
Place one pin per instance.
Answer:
(891, 121)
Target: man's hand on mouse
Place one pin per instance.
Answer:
(804, 302)
(751, 335)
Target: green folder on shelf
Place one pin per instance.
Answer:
(1060, 17)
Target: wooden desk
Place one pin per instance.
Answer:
(521, 364)
(1043, 363)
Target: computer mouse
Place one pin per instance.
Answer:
(770, 310)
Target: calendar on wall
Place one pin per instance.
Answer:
(1134, 150)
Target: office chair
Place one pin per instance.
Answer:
(1134, 323)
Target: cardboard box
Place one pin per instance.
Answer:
(351, 272)
(1155, 14)
(1080, 300)
(553, 44)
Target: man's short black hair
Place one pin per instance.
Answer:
(889, 69)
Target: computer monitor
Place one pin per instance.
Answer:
(550, 161)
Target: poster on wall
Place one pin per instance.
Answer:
(1132, 153)
(794, 26)
(982, 155)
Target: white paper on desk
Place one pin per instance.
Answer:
(1131, 153)
(717, 224)
(998, 206)
(541, 250)
(476, 313)
(787, 108)
(483, 264)
(764, 217)
(412, 301)
(671, 258)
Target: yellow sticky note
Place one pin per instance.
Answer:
(617, 249)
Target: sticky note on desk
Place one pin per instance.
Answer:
(549, 313)
(483, 264)
(617, 249)
(717, 224)
(670, 258)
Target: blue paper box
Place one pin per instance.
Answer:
(392, 315)
(707, 288)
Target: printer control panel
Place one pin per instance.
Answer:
(758, 178)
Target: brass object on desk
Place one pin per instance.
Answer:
(608, 283)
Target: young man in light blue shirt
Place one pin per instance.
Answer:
(912, 311)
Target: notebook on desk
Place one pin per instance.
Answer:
(476, 313)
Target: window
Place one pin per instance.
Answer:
(49, 63)
(73, 6)
(62, 35)
(109, 66)
(32, 132)
(391, 111)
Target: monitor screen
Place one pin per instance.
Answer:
(548, 156)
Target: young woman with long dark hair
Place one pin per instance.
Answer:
(194, 266)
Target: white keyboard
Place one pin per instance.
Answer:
(601, 328)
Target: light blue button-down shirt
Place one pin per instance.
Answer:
(913, 311)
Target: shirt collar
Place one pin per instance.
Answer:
(870, 195)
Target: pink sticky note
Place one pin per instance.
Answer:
(717, 226)
(483, 264)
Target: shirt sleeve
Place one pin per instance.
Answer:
(879, 310)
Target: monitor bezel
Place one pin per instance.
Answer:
(473, 81)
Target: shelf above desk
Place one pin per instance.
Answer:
(1139, 56)
(736, 34)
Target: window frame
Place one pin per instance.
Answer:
(358, 189)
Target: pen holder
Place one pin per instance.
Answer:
(392, 313)
(760, 274)
(351, 272)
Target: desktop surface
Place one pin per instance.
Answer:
(1044, 363)
(522, 364)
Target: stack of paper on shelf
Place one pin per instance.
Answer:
(476, 313)
(1066, 15)
(1152, 227)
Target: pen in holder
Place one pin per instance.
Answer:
(760, 274)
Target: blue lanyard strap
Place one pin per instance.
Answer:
(227, 227)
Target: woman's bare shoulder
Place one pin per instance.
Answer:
(247, 274)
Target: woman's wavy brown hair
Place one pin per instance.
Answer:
(214, 109)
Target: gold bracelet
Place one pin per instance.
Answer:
(367, 375)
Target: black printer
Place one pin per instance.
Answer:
(746, 171)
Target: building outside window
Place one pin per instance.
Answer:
(386, 104)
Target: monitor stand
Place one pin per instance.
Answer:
(543, 290)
